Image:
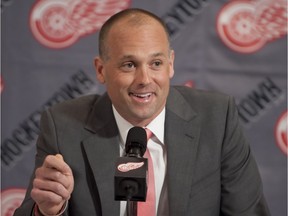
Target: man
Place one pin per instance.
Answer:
(203, 165)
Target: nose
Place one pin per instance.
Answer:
(142, 76)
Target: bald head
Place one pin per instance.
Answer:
(132, 18)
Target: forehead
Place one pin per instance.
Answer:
(141, 33)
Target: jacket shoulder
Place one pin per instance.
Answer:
(201, 98)
(82, 102)
(77, 108)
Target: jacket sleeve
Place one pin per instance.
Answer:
(46, 145)
(241, 186)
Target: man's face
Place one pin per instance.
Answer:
(137, 71)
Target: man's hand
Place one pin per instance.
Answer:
(53, 185)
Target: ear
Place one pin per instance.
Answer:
(98, 62)
(171, 64)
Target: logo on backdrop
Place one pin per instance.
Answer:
(259, 100)
(11, 199)
(245, 26)
(281, 132)
(1, 84)
(23, 137)
(189, 83)
(60, 23)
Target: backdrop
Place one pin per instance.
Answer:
(238, 47)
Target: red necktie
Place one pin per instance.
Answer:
(148, 208)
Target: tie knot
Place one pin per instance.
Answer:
(149, 133)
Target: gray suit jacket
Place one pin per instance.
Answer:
(210, 168)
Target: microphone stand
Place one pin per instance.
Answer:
(131, 208)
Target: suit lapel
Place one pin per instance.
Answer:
(102, 150)
(182, 129)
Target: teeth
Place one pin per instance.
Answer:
(142, 95)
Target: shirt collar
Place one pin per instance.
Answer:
(156, 126)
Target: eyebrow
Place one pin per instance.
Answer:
(159, 54)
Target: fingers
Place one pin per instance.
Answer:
(48, 202)
(55, 169)
(44, 196)
(53, 183)
(52, 186)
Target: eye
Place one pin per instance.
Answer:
(156, 64)
(128, 66)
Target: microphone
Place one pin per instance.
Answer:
(130, 180)
(136, 142)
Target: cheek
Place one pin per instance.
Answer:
(117, 83)
(163, 80)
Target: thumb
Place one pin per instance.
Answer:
(59, 156)
(65, 169)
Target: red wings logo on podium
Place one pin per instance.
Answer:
(60, 23)
(247, 25)
(129, 166)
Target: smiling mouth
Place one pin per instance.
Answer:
(144, 95)
(141, 96)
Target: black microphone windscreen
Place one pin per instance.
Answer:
(136, 139)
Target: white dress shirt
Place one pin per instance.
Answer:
(157, 150)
